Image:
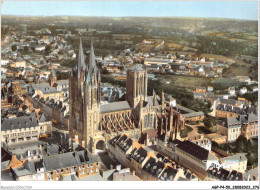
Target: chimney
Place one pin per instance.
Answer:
(118, 167)
(69, 142)
(74, 146)
(146, 139)
(41, 148)
(111, 166)
(133, 173)
(171, 177)
(83, 144)
(76, 139)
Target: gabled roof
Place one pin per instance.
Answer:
(168, 174)
(43, 118)
(195, 150)
(231, 101)
(137, 67)
(19, 122)
(140, 155)
(115, 106)
(68, 159)
(7, 175)
(122, 139)
(114, 140)
(230, 122)
(126, 145)
(237, 157)
(150, 100)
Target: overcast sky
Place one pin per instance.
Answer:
(216, 9)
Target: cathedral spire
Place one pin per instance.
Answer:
(154, 98)
(92, 60)
(81, 63)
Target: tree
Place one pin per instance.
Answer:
(26, 48)
(241, 144)
(210, 121)
(47, 49)
(14, 47)
(215, 144)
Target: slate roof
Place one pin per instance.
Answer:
(168, 97)
(5, 155)
(7, 176)
(195, 150)
(231, 102)
(183, 109)
(115, 106)
(140, 155)
(63, 83)
(21, 171)
(50, 149)
(252, 110)
(43, 118)
(45, 88)
(68, 159)
(152, 167)
(126, 145)
(228, 108)
(19, 122)
(252, 118)
(237, 157)
(137, 67)
(4, 164)
(113, 140)
(193, 114)
(150, 100)
(230, 122)
(23, 150)
(128, 156)
(225, 175)
(121, 140)
(168, 174)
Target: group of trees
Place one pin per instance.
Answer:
(252, 97)
(210, 121)
(217, 45)
(242, 145)
(62, 75)
(182, 96)
(111, 80)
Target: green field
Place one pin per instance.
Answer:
(184, 81)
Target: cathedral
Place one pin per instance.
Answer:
(94, 123)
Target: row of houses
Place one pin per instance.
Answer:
(197, 156)
(145, 162)
(25, 128)
(51, 168)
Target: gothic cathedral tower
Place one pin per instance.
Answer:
(136, 85)
(84, 89)
(136, 92)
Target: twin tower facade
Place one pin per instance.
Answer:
(95, 124)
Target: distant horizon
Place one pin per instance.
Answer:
(184, 17)
(238, 10)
